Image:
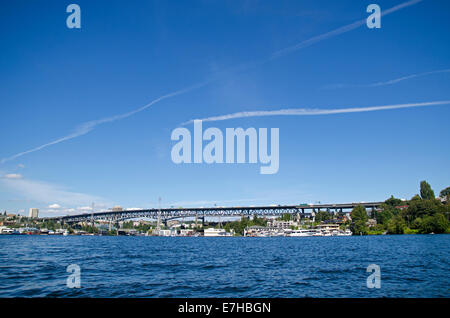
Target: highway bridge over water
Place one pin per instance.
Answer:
(303, 210)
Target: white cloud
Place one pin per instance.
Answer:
(84, 208)
(13, 176)
(54, 206)
(48, 193)
(61, 211)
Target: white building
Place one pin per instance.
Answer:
(33, 213)
(165, 233)
(271, 223)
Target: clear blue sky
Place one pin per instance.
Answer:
(128, 53)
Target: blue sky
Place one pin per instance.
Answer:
(127, 54)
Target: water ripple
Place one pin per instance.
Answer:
(411, 266)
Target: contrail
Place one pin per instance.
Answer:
(313, 111)
(390, 82)
(86, 127)
(338, 31)
(90, 125)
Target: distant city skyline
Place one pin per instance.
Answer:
(87, 113)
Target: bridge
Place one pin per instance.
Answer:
(302, 210)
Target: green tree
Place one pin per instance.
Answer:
(440, 223)
(359, 228)
(425, 191)
(322, 216)
(396, 225)
(420, 208)
(359, 219)
(437, 223)
(386, 213)
(445, 193)
(258, 221)
(417, 223)
(359, 213)
(393, 201)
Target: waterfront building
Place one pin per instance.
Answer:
(117, 208)
(187, 232)
(165, 232)
(172, 223)
(33, 213)
(272, 223)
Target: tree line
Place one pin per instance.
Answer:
(422, 214)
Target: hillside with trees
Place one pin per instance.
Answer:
(422, 214)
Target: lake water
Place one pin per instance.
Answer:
(411, 266)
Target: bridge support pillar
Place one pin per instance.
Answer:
(372, 212)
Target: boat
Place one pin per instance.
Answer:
(212, 232)
(345, 233)
(6, 231)
(297, 233)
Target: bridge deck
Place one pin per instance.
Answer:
(168, 213)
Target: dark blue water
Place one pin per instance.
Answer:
(411, 266)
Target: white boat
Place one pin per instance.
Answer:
(212, 232)
(345, 233)
(297, 233)
(6, 231)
